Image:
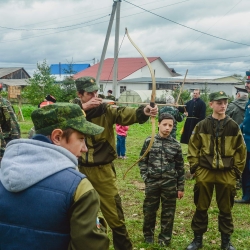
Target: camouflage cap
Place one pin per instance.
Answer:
(87, 84)
(215, 96)
(62, 116)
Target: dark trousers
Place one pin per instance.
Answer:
(223, 182)
(246, 180)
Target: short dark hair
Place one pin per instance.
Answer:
(165, 116)
(67, 133)
(81, 91)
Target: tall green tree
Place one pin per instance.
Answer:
(41, 84)
(68, 88)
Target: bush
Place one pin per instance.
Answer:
(26, 110)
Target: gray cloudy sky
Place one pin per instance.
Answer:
(74, 30)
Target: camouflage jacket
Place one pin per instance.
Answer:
(176, 114)
(101, 147)
(217, 144)
(164, 160)
(9, 128)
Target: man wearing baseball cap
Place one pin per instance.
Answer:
(45, 202)
(216, 154)
(97, 163)
(245, 128)
(236, 108)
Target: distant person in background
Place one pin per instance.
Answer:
(195, 112)
(49, 99)
(9, 127)
(236, 108)
(121, 132)
(170, 109)
(110, 96)
(245, 128)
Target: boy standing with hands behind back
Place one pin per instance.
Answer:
(217, 155)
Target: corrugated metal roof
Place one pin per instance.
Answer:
(126, 66)
(177, 80)
(7, 71)
(57, 69)
(14, 82)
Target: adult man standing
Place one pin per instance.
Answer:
(236, 108)
(245, 128)
(9, 127)
(97, 163)
(195, 112)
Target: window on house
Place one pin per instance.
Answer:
(101, 87)
(122, 88)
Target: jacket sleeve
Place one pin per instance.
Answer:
(143, 163)
(202, 114)
(15, 132)
(179, 166)
(83, 217)
(240, 153)
(126, 116)
(229, 110)
(179, 116)
(194, 147)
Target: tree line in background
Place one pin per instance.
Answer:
(43, 83)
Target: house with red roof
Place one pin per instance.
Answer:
(133, 73)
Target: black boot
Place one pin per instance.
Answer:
(196, 243)
(225, 242)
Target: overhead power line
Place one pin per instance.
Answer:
(63, 27)
(187, 27)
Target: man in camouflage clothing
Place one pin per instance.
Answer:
(172, 111)
(97, 164)
(162, 170)
(9, 127)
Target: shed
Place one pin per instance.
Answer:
(143, 96)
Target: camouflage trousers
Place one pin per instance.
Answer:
(159, 191)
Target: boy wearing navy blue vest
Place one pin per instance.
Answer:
(45, 203)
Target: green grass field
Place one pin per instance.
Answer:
(132, 194)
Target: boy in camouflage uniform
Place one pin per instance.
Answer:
(172, 111)
(217, 156)
(9, 127)
(162, 170)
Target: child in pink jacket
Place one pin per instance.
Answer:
(121, 140)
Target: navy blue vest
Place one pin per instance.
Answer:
(38, 217)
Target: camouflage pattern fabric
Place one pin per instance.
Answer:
(87, 84)
(176, 114)
(63, 116)
(163, 172)
(110, 97)
(9, 128)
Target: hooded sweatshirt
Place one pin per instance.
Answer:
(44, 200)
(236, 110)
